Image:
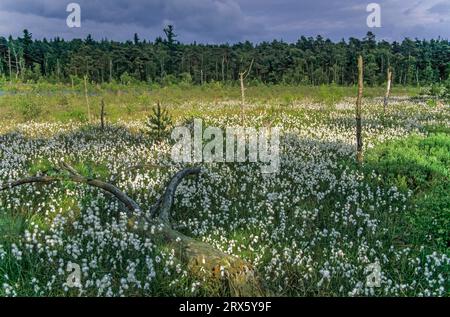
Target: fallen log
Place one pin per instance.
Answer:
(234, 276)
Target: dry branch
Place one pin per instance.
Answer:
(29, 180)
(203, 260)
(167, 201)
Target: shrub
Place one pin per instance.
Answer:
(77, 115)
(126, 79)
(186, 78)
(329, 94)
(169, 80)
(30, 110)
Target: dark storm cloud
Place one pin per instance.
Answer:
(442, 8)
(213, 19)
(227, 20)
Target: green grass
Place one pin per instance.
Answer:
(421, 165)
(59, 103)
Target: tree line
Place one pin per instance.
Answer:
(309, 61)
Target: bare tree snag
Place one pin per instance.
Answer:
(110, 70)
(17, 63)
(58, 69)
(102, 115)
(388, 90)
(87, 98)
(242, 77)
(223, 69)
(231, 274)
(359, 142)
(9, 65)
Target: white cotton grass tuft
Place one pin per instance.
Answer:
(311, 229)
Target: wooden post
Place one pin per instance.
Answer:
(87, 99)
(388, 90)
(359, 142)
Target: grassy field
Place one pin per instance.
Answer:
(313, 229)
(62, 103)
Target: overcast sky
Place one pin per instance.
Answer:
(216, 21)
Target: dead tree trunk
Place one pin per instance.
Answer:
(17, 63)
(242, 77)
(58, 70)
(102, 115)
(87, 98)
(223, 69)
(229, 273)
(110, 70)
(9, 64)
(22, 67)
(359, 141)
(388, 90)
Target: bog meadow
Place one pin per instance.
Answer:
(92, 202)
